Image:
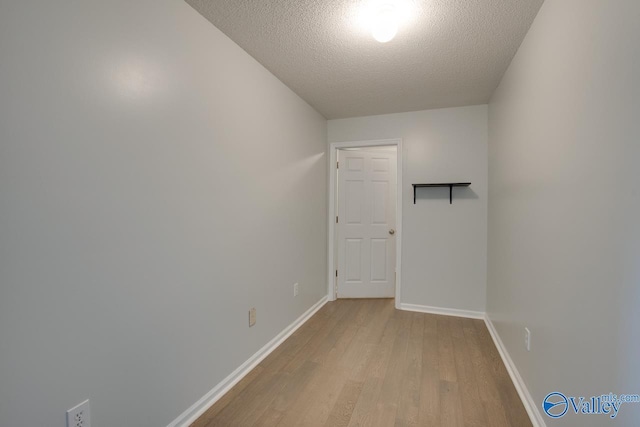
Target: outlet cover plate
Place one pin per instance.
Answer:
(295, 289)
(79, 416)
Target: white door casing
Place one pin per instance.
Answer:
(366, 223)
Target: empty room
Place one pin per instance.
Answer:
(236, 213)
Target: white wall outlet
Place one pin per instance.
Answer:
(295, 289)
(527, 339)
(252, 317)
(79, 416)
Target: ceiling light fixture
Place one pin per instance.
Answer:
(382, 19)
(384, 24)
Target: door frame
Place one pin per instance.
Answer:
(333, 172)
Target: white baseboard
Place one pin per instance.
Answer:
(532, 409)
(443, 311)
(200, 407)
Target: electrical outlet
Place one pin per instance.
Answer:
(252, 317)
(295, 289)
(79, 416)
(527, 339)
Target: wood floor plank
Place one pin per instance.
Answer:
(487, 383)
(314, 402)
(386, 407)
(342, 410)
(324, 398)
(270, 418)
(356, 359)
(297, 381)
(363, 410)
(429, 414)
(446, 361)
(332, 329)
(473, 411)
(356, 362)
(336, 344)
(385, 414)
(451, 409)
(496, 416)
(408, 413)
(382, 353)
(333, 348)
(364, 363)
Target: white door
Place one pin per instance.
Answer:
(366, 223)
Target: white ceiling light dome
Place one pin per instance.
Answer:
(384, 23)
(384, 18)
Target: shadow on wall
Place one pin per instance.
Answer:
(442, 193)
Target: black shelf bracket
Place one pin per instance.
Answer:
(445, 184)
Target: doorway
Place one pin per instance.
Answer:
(365, 230)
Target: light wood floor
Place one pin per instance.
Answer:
(363, 363)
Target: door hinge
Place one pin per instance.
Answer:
(336, 273)
(337, 165)
(336, 219)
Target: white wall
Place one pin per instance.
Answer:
(155, 183)
(444, 246)
(564, 204)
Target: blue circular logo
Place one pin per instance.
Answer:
(555, 405)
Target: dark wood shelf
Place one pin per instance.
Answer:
(444, 184)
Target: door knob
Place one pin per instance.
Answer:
(392, 231)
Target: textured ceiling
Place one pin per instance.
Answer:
(450, 53)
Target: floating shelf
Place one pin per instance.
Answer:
(447, 184)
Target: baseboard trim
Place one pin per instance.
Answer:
(536, 417)
(443, 311)
(200, 407)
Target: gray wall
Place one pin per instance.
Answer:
(444, 246)
(564, 204)
(155, 183)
